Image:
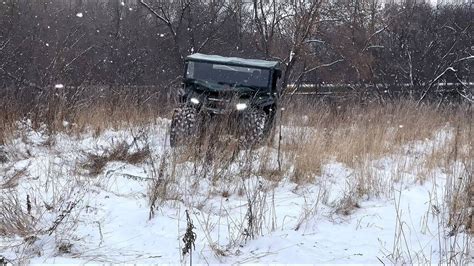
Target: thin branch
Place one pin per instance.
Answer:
(314, 40)
(160, 17)
(75, 58)
(367, 43)
(4, 44)
(465, 58)
(203, 44)
(433, 82)
(323, 65)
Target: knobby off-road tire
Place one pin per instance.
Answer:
(184, 126)
(252, 128)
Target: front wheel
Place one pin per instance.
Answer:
(252, 128)
(183, 126)
(3, 155)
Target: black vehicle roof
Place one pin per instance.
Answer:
(236, 61)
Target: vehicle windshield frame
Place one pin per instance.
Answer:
(261, 77)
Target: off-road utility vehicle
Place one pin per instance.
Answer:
(242, 92)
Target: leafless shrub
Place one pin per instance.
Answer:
(256, 209)
(189, 238)
(310, 208)
(158, 189)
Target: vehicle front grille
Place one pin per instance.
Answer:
(220, 102)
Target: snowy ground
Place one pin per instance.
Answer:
(111, 222)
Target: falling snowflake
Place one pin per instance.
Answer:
(79, 15)
(59, 86)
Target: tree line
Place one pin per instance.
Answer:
(143, 42)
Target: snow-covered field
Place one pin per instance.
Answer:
(58, 212)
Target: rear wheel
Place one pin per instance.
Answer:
(183, 126)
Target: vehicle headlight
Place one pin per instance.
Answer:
(194, 100)
(241, 106)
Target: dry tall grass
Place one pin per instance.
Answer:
(435, 138)
(75, 110)
(355, 134)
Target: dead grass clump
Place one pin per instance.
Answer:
(269, 167)
(308, 163)
(14, 220)
(364, 183)
(346, 205)
(64, 247)
(121, 152)
(95, 164)
(369, 184)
